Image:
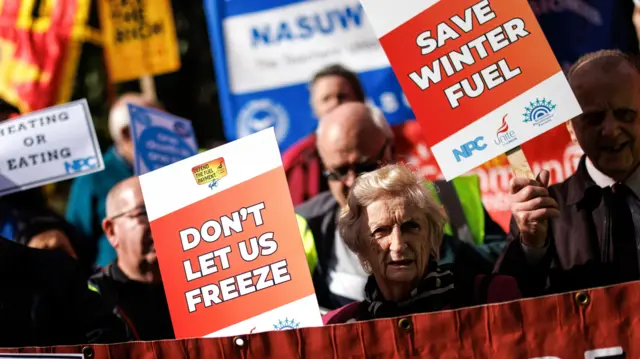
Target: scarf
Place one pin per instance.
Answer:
(435, 292)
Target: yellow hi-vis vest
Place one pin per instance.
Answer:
(468, 191)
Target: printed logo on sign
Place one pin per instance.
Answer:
(210, 173)
(81, 164)
(504, 135)
(467, 149)
(539, 112)
(258, 115)
(286, 324)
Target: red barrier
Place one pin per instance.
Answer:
(597, 323)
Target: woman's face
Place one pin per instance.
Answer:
(399, 249)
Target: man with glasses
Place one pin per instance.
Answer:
(585, 231)
(132, 284)
(351, 142)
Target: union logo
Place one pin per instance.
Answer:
(286, 324)
(539, 112)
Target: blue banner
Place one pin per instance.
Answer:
(267, 51)
(159, 138)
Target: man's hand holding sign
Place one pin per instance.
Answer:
(479, 75)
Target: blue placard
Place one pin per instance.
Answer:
(159, 138)
(266, 51)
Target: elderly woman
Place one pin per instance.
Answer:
(395, 227)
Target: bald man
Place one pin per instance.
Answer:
(351, 141)
(132, 284)
(585, 232)
(86, 205)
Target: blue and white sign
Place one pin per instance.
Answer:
(159, 138)
(267, 51)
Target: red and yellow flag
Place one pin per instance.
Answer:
(39, 50)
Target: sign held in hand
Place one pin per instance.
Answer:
(47, 146)
(159, 138)
(228, 242)
(480, 75)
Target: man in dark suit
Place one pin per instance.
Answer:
(585, 232)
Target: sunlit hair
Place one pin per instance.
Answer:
(378, 118)
(388, 182)
(119, 114)
(630, 59)
(381, 121)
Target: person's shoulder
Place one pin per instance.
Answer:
(317, 206)
(345, 314)
(48, 271)
(560, 191)
(302, 151)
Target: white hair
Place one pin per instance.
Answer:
(119, 114)
(118, 120)
(390, 181)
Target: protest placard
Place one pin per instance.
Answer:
(159, 138)
(266, 52)
(139, 38)
(228, 242)
(46, 146)
(480, 76)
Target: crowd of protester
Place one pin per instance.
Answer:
(379, 241)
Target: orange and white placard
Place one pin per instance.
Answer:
(228, 243)
(479, 75)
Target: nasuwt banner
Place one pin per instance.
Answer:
(139, 38)
(471, 69)
(159, 138)
(40, 47)
(228, 243)
(266, 52)
(48, 146)
(601, 323)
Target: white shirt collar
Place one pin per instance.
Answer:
(602, 180)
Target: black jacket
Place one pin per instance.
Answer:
(45, 301)
(31, 215)
(142, 306)
(579, 255)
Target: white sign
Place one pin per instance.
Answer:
(47, 146)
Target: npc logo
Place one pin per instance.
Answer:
(81, 164)
(467, 149)
(504, 135)
(286, 324)
(261, 114)
(539, 112)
